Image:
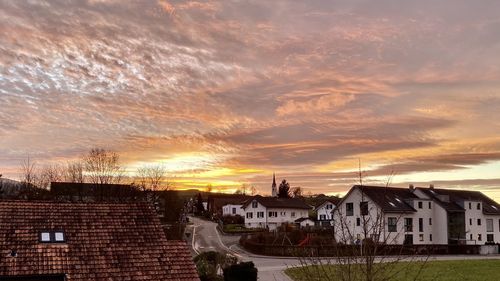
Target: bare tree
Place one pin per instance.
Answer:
(28, 172)
(48, 174)
(152, 177)
(74, 172)
(297, 192)
(253, 190)
(372, 255)
(102, 166)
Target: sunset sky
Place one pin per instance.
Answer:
(228, 92)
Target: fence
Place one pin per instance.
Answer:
(354, 250)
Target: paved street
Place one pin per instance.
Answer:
(207, 238)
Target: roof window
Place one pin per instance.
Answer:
(392, 204)
(52, 237)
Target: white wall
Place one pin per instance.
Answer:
(283, 216)
(324, 212)
(231, 210)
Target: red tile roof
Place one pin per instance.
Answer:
(103, 242)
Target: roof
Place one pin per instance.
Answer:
(100, 191)
(303, 219)
(452, 199)
(215, 202)
(389, 199)
(276, 202)
(104, 241)
(328, 200)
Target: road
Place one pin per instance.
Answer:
(207, 238)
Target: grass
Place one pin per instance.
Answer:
(463, 270)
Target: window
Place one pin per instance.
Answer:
(322, 217)
(430, 237)
(358, 221)
(430, 205)
(260, 214)
(234, 211)
(408, 239)
(273, 214)
(430, 221)
(408, 224)
(470, 207)
(420, 224)
(52, 237)
(479, 237)
(293, 214)
(489, 225)
(329, 206)
(470, 221)
(45, 237)
(363, 207)
(478, 221)
(471, 237)
(490, 238)
(392, 224)
(349, 209)
(250, 215)
(283, 214)
(255, 204)
(479, 206)
(421, 237)
(420, 204)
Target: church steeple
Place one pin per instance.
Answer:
(274, 190)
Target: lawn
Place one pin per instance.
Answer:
(464, 270)
(239, 228)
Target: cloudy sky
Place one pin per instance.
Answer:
(226, 92)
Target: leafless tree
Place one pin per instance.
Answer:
(74, 172)
(364, 257)
(297, 192)
(253, 190)
(28, 173)
(152, 177)
(102, 166)
(48, 174)
(209, 188)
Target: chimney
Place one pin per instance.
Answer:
(431, 186)
(412, 187)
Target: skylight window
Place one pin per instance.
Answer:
(45, 237)
(494, 207)
(392, 204)
(52, 237)
(399, 200)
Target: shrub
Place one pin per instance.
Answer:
(244, 271)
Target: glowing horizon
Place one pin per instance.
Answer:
(227, 92)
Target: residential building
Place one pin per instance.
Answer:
(233, 210)
(305, 222)
(324, 212)
(88, 241)
(417, 216)
(272, 212)
(217, 201)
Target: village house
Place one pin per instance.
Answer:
(324, 212)
(233, 210)
(417, 216)
(88, 241)
(272, 212)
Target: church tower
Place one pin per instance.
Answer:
(274, 188)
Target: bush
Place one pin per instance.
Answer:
(237, 219)
(244, 271)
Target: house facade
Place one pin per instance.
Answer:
(416, 216)
(272, 212)
(324, 213)
(233, 210)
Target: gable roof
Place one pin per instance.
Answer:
(276, 202)
(104, 241)
(389, 199)
(452, 199)
(335, 202)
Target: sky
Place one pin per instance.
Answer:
(228, 92)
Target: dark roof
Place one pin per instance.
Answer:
(389, 199)
(104, 241)
(215, 202)
(276, 202)
(303, 219)
(97, 191)
(452, 199)
(334, 200)
(49, 277)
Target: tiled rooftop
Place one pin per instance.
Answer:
(103, 242)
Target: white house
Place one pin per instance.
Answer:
(417, 216)
(324, 212)
(233, 210)
(272, 212)
(305, 222)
